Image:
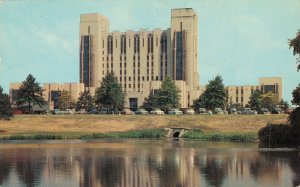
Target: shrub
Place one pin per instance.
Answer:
(278, 134)
(294, 117)
(219, 136)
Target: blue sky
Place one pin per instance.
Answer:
(239, 40)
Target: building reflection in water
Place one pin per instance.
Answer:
(131, 164)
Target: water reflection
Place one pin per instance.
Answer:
(146, 164)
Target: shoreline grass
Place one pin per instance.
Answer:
(139, 134)
(242, 128)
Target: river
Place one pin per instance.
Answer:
(145, 163)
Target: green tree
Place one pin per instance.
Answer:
(165, 98)
(199, 103)
(294, 117)
(255, 100)
(30, 92)
(168, 95)
(6, 111)
(269, 100)
(85, 101)
(151, 101)
(66, 101)
(110, 93)
(295, 44)
(284, 105)
(214, 95)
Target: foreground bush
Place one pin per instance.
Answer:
(33, 137)
(279, 134)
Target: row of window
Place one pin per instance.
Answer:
(136, 43)
(143, 78)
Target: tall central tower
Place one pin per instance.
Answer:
(92, 29)
(184, 37)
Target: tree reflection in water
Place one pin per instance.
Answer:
(148, 166)
(29, 169)
(214, 171)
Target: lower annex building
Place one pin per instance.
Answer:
(141, 60)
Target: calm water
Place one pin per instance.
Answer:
(142, 163)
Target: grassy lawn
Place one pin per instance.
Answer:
(74, 126)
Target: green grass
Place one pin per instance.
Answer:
(220, 136)
(33, 137)
(145, 133)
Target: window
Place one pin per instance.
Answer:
(136, 43)
(123, 44)
(150, 44)
(109, 45)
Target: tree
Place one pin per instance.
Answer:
(199, 103)
(294, 117)
(65, 101)
(165, 98)
(30, 92)
(214, 96)
(168, 95)
(255, 100)
(284, 105)
(295, 44)
(269, 100)
(85, 101)
(151, 101)
(110, 93)
(6, 111)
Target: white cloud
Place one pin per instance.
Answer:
(54, 40)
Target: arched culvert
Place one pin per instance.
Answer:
(176, 135)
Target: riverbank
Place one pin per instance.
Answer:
(214, 127)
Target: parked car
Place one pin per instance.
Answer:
(157, 111)
(249, 111)
(233, 111)
(69, 111)
(218, 111)
(189, 111)
(288, 111)
(174, 111)
(93, 111)
(82, 111)
(127, 111)
(141, 111)
(263, 111)
(202, 111)
(276, 110)
(56, 112)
